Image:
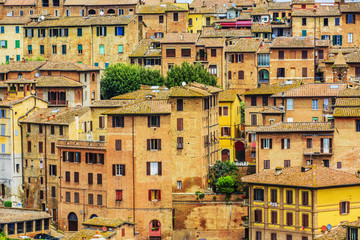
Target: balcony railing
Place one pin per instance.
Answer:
(58, 102)
(318, 151)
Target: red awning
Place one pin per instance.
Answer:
(243, 23)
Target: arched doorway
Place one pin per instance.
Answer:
(190, 23)
(155, 229)
(92, 12)
(225, 155)
(93, 216)
(240, 151)
(111, 11)
(263, 76)
(73, 222)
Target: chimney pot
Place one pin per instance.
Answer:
(41, 115)
(48, 118)
(53, 116)
(278, 171)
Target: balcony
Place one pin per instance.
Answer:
(58, 102)
(318, 151)
(201, 56)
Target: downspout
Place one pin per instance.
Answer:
(46, 166)
(312, 215)
(133, 162)
(208, 138)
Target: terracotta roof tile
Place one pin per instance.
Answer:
(261, 27)
(260, 10)
(297, 127)
(162, 8)
(211, 42)
(8, 215)
(293, 42)
(273, 88)
(347, 112)
(84, 21)
(347, 102)
(322, 43)
(264, 48)
(87, 234)
(279, 6)
(108, 222)
(352, 224)
(314, 90)
(20, 3)
(303, 1)
(314, 177)
(244, 45)
(143, 108)
(349, 92)
(272, 110)
(143, 49)
(110, 103)
(180, 38)
(21, 66)
(101, 3)
(14, 20)
(57, 81)
(8, 103)
(350, 7)
(322, 11)
(228, 95)
(142, 94)
(63, 116)
(336, 233)
(209, 32)
(68, 66)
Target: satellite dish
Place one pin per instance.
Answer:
(329, 227)
(101, 13)
(42, 18)
(234, 5)
(37, 74)
(183, 83)
(152, 37)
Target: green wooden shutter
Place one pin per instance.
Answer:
(340, 39)
(334, 40)
(5, 43)
(97, 31)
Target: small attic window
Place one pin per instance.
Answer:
(334, 86)
(19, 75)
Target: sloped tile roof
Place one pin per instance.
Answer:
(336, 233)
(264, 48)
(261, 27)
(303, 1)
(141, 94)
(297, 127)
(8, 215)
(180, 38)
(272, 88)
(244, 45)
(349, 92)
(21, 66)
(279, 6)
(20, 3)
(57, 81)
(63, 116)
(260, 10)
(100, 3)
(347, 112)
(14, 20)
(293, 42)
(209, 32)
(68, 66)
(322, 11)
(8, 103)
(314, 90)
(162, 8)
(352, 224)
(145, 107)
(228, 95)
(143, 49)
(272, 110)
(350, 7)
(108, 222)
(315, 177)
(87, 234)
(322, 43)
(347, 102)
(110, 103)
(211, 42)
(108, 20)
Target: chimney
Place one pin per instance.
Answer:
(278, 171)
(41, 115)
(48, 118)
(67, 107)
(53, 116)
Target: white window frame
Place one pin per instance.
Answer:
(315, 104)
(350, 37)
(286, 143)
(290, 119)
(154, 168)
(179, 184)
(290, 104)
(67, 13)
(266, 143)
(119, 170)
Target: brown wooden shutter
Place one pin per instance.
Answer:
(220, 111)
(118, 145)
(159, 144)
(149, 121)
(270, 143)
(99, 179)
(113, 121)
(114, 169)
(262, 143)
(330, 145)
(158, 121)
(123, 168)
(347, 207)
(85, 129)
(282, 143)
(159, 168)
(159, 192)
(148, 144)
(179, 124)
(148, 168)
(90, 178)
(149, 194)
(288, 143)
(340, 208)
(100, 122)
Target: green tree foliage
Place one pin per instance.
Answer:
(189, 73)
(225, 185)
(242, 104)
(123, 78)
(8, 204)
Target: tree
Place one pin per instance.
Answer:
(189, 73)
(123, 78)
(225, 185)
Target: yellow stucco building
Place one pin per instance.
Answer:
(300, 202)
(230, 125)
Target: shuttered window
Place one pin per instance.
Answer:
(118, 145)
(281, 54)
(253, 119)
(76, 177)
(91, 199)
(40, 147)
(153, 144)
(186, 52)
(118, 195)
(289, 218)
(52, 148)
(67, 176)
(154, 168)
(266, 143)
(180, 143)
(266, 164)
(304, 72)
(101, 122)
(258, 215)
(153, 121)
(287, 163)
(304, 54)
(273, 217)
(289, 197)
(305, 220)
(170, 53)
(118, 169)
(241, 75)
(99, 179)
(180, 123)
(305, 198)
(273, 195)
(90, 178)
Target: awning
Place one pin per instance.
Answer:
(241, 23)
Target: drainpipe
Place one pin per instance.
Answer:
(46, 166)
(208, 135)
(312, 215)
(133, 162)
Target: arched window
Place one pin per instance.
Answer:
(213, 70)
(154, 228)
(190, 22)
(264, 75)
(225, 155)
(93, 77)
(92, 12)
(241, 75)
(93, 216)
(111, 11)
(73, 222)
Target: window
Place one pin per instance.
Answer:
(67, 13)
(273, 219)
(38, 225)
(337, 40)
(265, 100)
(120, 48)
(285, 143)
(258, 236)
(29, 226)
(117, 145)
(121, 12)
(303, 33)
(289, 218)
(153, 121)
(286, 163)
(20, 227)
(118, 121)
(80, 49)
(99, 179)
(161, 19)
(101, 49)
(241, 75)
(52, 170)
(305, 198)
(344, 207)
(99, 199)
(46, 224)
(179, 105)
(153, 168)
(253, 100)
(179, 184)
(52, 150)
(118, 169)
(253, 119)
(180, 143)
(170, 52)
(303, 20)
(281, 72)
(42, 49)
(315, 104)
(350, 37)
(76, 197)
(118, 195)
(288, 237)
(289, 197)
(213, 52)
(101, 31)
(309, 143)
(350, 18)
(63, 49)
(225, 111)
(52, 130)
(326, 22)
(119, 31)
(304, 54)
(258, 215)
(358, 125)
(337, 21)
(29, 146)
(180, 123)
(176, 17)
(305, 220)
(338, 165)
(29, 128)
(281, 54)
(154, 195)
(40, 147)
(266, 143)
(76, 177)
(264, 60)
(90, 199)
(266, 164)
(67, 176)
(186, 52)
(289, 103)
(90, 178)
(67, 197)
(226, 131)
(321, 54)
(153, 144)
(273, 195)
(258, 194)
